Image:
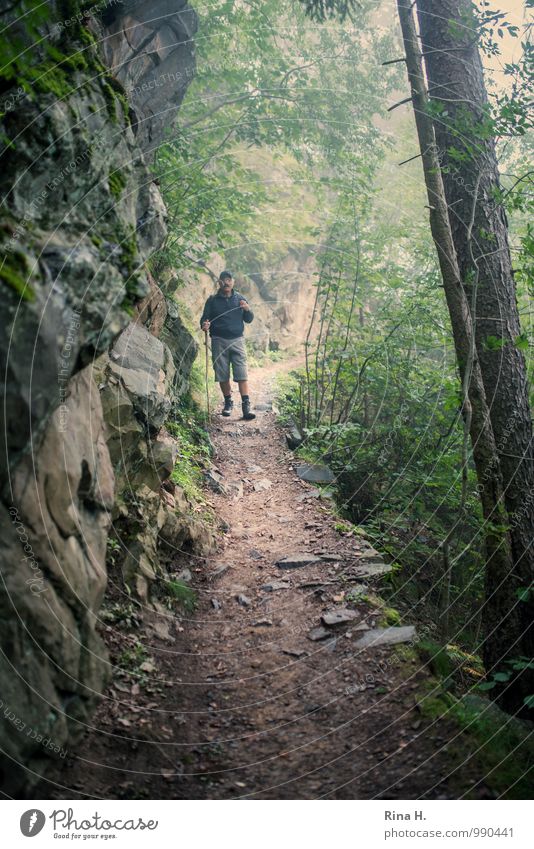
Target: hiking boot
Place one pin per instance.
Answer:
(228, 407)
(245, 406)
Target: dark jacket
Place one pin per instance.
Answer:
(226, 316)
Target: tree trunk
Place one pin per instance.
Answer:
(466, 151)
(502, 617)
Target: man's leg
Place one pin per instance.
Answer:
(239, 368)
(221, 366)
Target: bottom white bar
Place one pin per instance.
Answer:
(268, 825)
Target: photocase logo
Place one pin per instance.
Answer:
(31, 822)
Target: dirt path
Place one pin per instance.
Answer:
(241, 702)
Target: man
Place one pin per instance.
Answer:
(223, 316)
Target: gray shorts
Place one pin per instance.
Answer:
(226, 351)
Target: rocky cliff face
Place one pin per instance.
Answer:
(80, 215)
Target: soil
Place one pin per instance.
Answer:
(235, 700)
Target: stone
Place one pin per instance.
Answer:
(372, 570)
(168, 30)
(262, 485)
(216, 604)
(235, 489)
(215, 482)
(274, 586)
(386, 637)
(53, 551)
(294, 652)
(294, 437)
(253, 469)
(243, 600)
(264, 407)
(315, 473)
(318, 633)
(297, 561)
(163, 451)
(184, 576)
(182, 347)
(256, 555)
(144, 366)
(260, 622)
(338, 616)
(219, 571)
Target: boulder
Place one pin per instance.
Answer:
(315, 473)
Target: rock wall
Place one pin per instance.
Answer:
(80, 215)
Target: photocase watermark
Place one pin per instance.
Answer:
(63, 820)
(30, 732)
(65, 368)
(36, 581)
(32, 822)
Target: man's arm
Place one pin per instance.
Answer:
(248, 315)
(206, 312)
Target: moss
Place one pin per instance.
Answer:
(390, 616)
(114, 94)
(109, 97)
(14, 274)
(117, 182)
(504, 752)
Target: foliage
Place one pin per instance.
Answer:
(180, 594)
(194, 447)
(295, 96)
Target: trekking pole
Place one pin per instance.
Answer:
(207, 372)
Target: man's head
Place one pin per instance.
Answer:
(226, 283)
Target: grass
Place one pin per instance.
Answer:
(131, 659)
(181, 594)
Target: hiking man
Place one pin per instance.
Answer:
(223, 316)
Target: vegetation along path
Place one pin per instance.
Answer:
(287, 681)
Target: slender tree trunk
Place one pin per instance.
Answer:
(501, 601)
(471, 180)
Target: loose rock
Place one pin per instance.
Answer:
(338, 616)
(297, 561)
(273, 586)
(315, 473)
(386, 637)
(318, 633)
(262, 485)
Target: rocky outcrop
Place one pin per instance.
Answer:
(138, 389)
(53, 532)
(80, 215)
(150, 48)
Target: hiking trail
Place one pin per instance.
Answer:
(239, 701)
